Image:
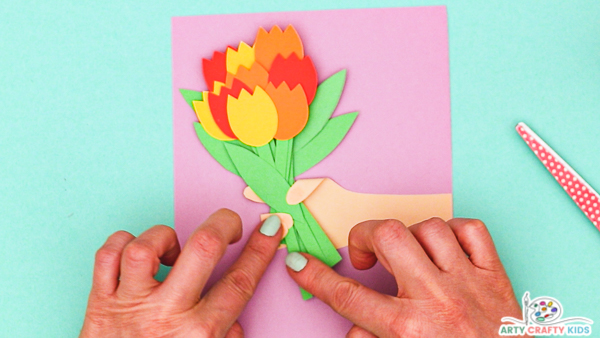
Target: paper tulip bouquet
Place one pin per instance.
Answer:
(266, 119)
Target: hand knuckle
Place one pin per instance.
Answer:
(206, 329)
(476, 225)
(166, 230)
(398, 325)
(241, 283)
(433, 227)
(138, 252)
(121, 235)
(236, 330)
(207, 244)
(107, 256)
(389, 231)
(456, 312)
(257, 252)
(345, 295)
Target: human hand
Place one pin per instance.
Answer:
(451, 282)
(126, 300)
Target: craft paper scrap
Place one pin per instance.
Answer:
(364, 127)
(586, 198)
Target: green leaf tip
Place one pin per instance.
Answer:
(191, 95)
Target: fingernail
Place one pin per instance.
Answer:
(270, 226)
(296, 261)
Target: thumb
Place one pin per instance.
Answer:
(365, 307)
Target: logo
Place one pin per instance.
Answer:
(542, 316)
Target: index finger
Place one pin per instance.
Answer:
(199, 257)
(228, 297)
(365, 307)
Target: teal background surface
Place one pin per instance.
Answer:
(86, 143)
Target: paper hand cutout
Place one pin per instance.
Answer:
(338, 210)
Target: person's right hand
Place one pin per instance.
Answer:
(451, 282)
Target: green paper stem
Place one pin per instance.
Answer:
(289, 168)
(282, 158)
(265, 153)
(330, 254)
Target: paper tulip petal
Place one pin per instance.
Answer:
(292, 109)
(206, 119)
(252, 117)
(295, 71)
(253, 77)
(243, 56)
(218, 105)
(268, 45)
(214, 70)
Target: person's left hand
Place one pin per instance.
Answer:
(126, 300)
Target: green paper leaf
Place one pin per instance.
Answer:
(191, 95)
(305, 294)
(323, 144)
(215, 148)
(320, 110)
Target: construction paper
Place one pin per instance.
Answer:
(292, 109)
(330, 256)
(326, 100)
(271, 187)
(287, 42)
(243, 56)
(295, 71)
(253, 77)
(253, 117)
(282, 160)
(215, 148)
(322, 144)
(218, 102)
(203, 112)
(190, 96)
(400, 144)
(214, 69)
(337, 210)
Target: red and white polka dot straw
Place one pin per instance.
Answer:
(580, 191)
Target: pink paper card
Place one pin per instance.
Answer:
(399, 145)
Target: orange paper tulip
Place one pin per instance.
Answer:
(258, 93)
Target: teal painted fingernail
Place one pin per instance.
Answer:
(296, 261)
(270, 226)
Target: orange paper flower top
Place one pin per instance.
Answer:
(258, 93)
